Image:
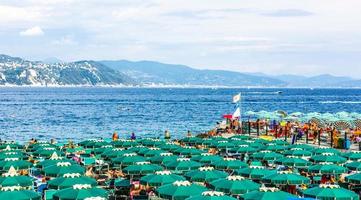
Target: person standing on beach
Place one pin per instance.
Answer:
(133, 137)
(167, 135)
(115, 136)
(189, 134)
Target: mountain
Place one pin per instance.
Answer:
(53, 72)
(149, 73)
(17, 71)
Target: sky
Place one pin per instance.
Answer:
(305, 37)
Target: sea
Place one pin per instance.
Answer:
(90, 112)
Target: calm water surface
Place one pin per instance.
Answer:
(78, 113)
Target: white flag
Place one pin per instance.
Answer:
(237, 113)
(237, 98)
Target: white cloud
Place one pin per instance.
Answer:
(33, 31)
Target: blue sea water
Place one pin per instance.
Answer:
(79, 113)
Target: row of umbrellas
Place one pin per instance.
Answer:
(179, 171)
(343, 120)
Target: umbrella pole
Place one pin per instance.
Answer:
(319, 137)
(257, 127)
(345, 140)
(306, 132)
(249, 127)
(331, 139)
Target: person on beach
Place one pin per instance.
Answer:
(189, 134)
(115, 136)
(133, 137)
(167, 135)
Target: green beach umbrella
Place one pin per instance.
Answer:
(280, 142)
(100, 150)
(13, 154)
(327, 168)
(206, 158)
(299, 152)
(23, 181)
(47, 152)
(53, 160)
(40, 145)
(354, 178)
(268, 194)
(244, 148)
(237, 141)
(122, 182)
(150, 152)
(14, 162)
(128, 159)
(10, 146)
(224, 145)
(188, 151)
(286, 178)
(179, 190)
(151, 142)
(234, 185)
(274, 147)
(325, 192)
(124, 143)
(12, 178)
(62, 168)
(68, 180)
(169, 146)
(241, 137)
(352, 155)
(255, 172)
(163, 158)
(301, 146)
(142, 168)
(160, 178)
(328, 157)
(182, 164)
(211, 195)
(292, 161)
(114, 153)
(81, 192)
(205, 174)
(356, 165)
(191, 140)
(322, 150)
(229, 163)
(93, 143)
(19, 195)
(266, 155)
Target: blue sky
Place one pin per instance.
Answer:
(270, 36)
